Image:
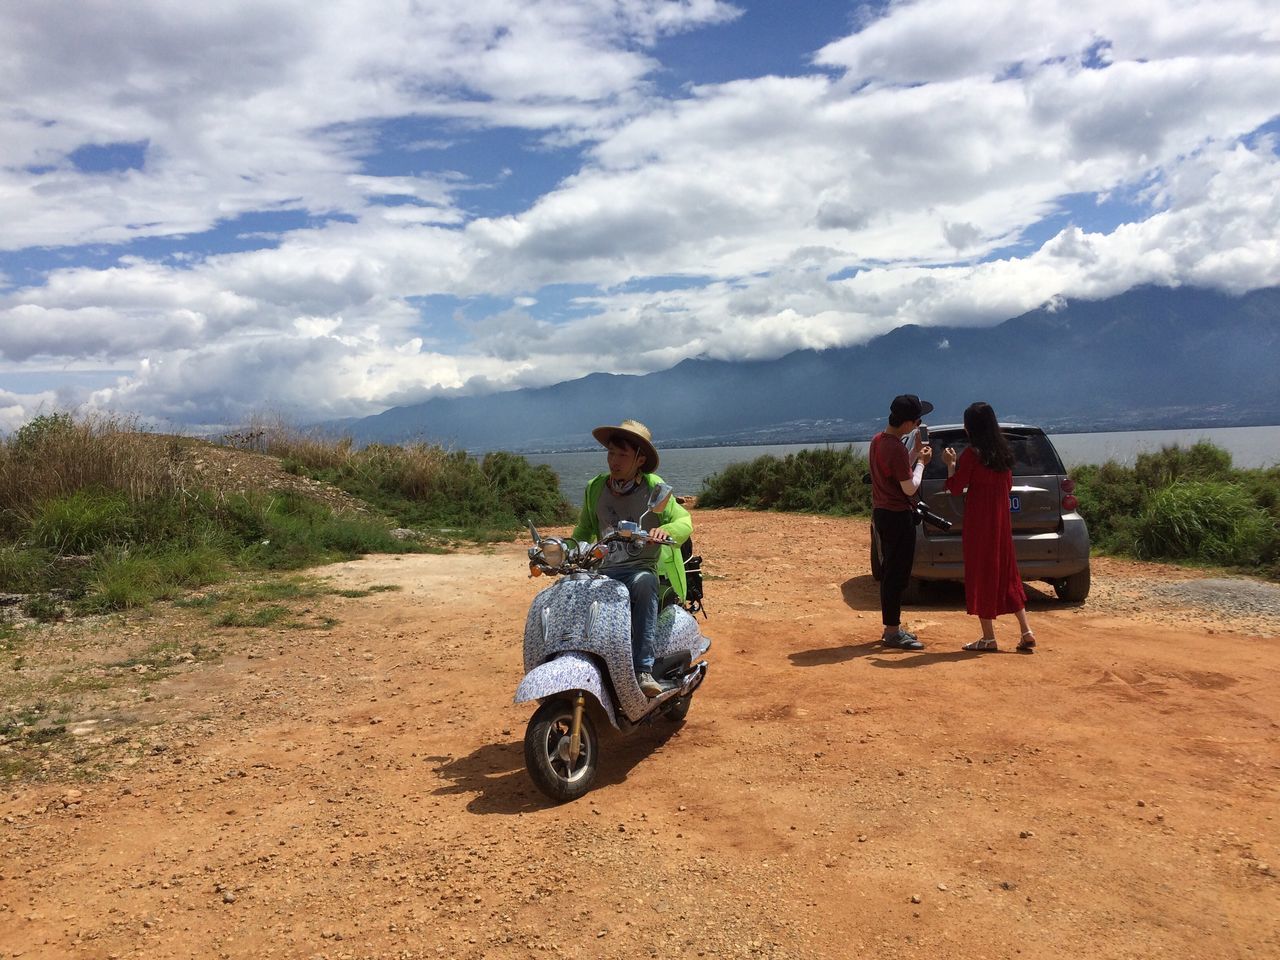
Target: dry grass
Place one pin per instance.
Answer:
(272, 434)
(55, 455)
(412, 470)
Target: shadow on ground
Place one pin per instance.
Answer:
(877, 655)
(863, 593)
(496, 774)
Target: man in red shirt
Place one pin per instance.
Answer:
(896, 473)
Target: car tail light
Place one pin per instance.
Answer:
(1068, 485)
(1069, 503)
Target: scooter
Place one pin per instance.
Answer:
(578, 663)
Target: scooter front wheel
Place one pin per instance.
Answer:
(547, 754)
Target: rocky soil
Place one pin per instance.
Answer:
(350, 783)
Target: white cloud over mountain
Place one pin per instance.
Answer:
(945, 162)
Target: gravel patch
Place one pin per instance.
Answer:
(1237, 603)
(1232, 596)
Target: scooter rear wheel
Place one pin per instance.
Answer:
(546, 751)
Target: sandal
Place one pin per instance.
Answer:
(1028, 643)
(984, 643)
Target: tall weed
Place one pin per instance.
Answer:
(1203, 520)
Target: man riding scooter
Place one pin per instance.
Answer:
(623, 494)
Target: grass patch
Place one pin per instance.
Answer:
(43, 608)
(290, 588)
(14, 722)
(98, 515)
(78, 683)
(261, 617)
(419, 485)
(368, 591)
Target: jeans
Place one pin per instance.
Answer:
(897, 532)
(643, 587)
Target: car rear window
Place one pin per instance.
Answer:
(1033, 454)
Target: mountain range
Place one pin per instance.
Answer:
(1150, 358)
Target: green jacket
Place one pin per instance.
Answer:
(675, 521)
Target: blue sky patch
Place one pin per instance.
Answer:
(498, 171)
(776, 38)
(1082, 210)
(109, 157)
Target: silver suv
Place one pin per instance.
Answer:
(1049, 537)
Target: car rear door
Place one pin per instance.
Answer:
(1035, 502)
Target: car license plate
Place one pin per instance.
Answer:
(1015, 504)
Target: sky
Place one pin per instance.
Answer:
(277, 208)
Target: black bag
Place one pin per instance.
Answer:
(692, 573)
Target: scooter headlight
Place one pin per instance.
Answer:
(553, 551)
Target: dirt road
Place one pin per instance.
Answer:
(357, 790)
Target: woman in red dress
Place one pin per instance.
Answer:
(984, 474)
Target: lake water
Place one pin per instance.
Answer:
(687, 468)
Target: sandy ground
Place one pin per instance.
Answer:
(359, 791)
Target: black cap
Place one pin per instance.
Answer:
(908, 406)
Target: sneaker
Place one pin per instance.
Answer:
(903, 641)
(649, 686)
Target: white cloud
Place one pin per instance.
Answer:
(259, 104)
(939, 134)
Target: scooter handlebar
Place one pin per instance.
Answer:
(553, 555)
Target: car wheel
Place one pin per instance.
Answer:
(1075, 588)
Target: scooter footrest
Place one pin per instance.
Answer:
(694, 679)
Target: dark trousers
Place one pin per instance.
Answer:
(897, 532)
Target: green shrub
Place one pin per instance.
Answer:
(1207, 521)
(524, 490)
(1144, 509)
(43, 431)
(1200, 461)
(425, 486)
(818, 480)
(1111, 498)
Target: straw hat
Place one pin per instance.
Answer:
(635, 431)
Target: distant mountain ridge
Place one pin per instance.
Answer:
(1150, 358)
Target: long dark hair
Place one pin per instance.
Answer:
(985, 437)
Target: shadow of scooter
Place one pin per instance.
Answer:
(495, 772)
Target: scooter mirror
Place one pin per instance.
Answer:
(534, 531)
(659, 496)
